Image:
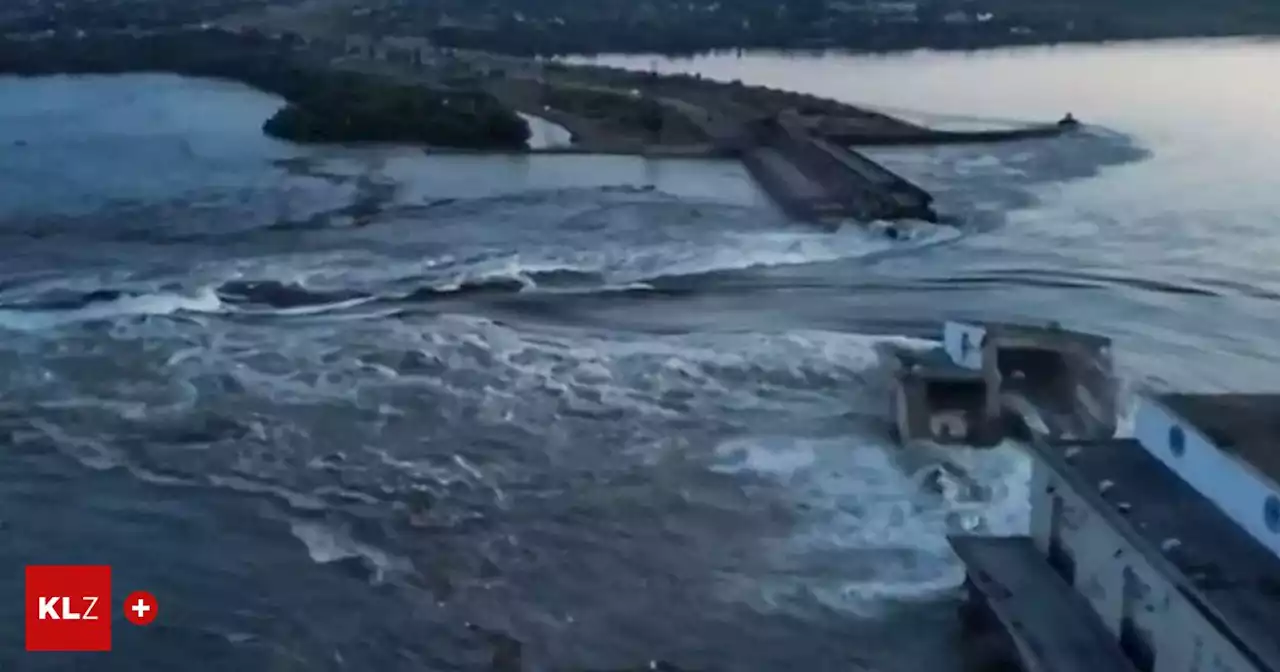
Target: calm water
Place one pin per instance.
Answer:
(331, 404)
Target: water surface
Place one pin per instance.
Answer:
(329, 404)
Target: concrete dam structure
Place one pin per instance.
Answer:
(815, 180)
(1152, 549)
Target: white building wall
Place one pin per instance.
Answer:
(1180, 637)
(1236, 488)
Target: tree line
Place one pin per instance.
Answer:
(559, 27)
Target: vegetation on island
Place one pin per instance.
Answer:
(324, 105)
(636, 112)
(347, 107)
(34, 16)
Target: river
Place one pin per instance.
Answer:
(330, 404)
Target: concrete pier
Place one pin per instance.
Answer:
(936, 399)
(814, 180)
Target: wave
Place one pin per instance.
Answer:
(72, 301)
(667, 267)
(108, 305)
(287, 298)
(673, 265)
(272, 297)
(860, 516)
(1083, 279)
(543, 288)
(328, 544)
(869, 535)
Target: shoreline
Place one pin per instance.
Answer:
(941, 49)
(801, 47)
(429, 97)
(704, 113)
(797, 147)
(614, 110)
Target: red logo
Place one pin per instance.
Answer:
(68, 608)
(140, 607)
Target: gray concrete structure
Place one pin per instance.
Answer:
(937, 401)
(1060, 382)
(997, 380)
(1170, 540)
(1057, 630)
(824, 182)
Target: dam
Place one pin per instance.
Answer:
(1148, 550)
(813, 179)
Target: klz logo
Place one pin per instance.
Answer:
(68, 608)
(49, 609)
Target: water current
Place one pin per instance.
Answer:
(331, 405)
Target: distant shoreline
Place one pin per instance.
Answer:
(965, 43)
(361, 100)
(590, 58)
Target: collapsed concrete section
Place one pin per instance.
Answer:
(989, 381)
(1061, 382)
(814, 180)
(936, 399)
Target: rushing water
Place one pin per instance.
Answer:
(544, 134)
(331, 404)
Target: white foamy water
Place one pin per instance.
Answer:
(545, 134)
(326, 544)
(870, 534)
(204, 300)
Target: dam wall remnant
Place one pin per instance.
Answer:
(814, 180)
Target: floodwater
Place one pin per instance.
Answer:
(331, 404)
(545, 134)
